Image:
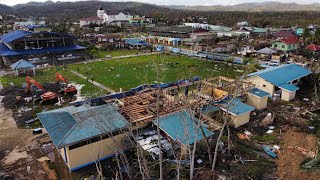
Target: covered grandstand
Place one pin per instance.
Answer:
(25, 44)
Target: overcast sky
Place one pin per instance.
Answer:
(177, 2)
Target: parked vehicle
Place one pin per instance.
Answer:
(273, 63)
(37, 131)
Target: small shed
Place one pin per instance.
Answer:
(239, 111)
(22, 65)
(288, 91)
(258, 98)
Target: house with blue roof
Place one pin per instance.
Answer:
(85, 134)
(239, 112)
(135, 43)
(283, 80)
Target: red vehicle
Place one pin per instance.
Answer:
(47, 96)
(66, 89)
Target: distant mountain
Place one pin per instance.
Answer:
(5, 9)
(255, 7)
(83, 8)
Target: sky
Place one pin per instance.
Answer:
(177, 2)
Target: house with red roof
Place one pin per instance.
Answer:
(286, 44)
(284, 34)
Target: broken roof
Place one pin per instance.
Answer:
(70, 125)
(183, 127)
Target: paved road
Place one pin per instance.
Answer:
(93, 82)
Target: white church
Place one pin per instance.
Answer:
(103, 17)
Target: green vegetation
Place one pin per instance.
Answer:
(116, 53)
(267, 138)
(127, 73)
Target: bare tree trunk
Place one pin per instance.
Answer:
(119, 167)
(217, 145)
(208, 145)
(229, 142)
(158, 129)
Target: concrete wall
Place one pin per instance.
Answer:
(257, 102)
(262, 84)
(85, 154)
(287, 95)
(240, 119)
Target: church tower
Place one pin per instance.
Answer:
(100, 13)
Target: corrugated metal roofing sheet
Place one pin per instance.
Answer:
(134, 42)
(70, 125)
(14, 35)
(210, 109)
(282, 74)
(234, 106)
(11, 36)
(259, 92)
(289, 87)
(21, 64)
(181, 127)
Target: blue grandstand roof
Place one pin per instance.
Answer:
(14, 35)
(234, 106)
(289, 87)
(282, 74)
(70, 125)
(21, 64)
(181, 127)
(11, 36)
(5, 51)
(259, 93)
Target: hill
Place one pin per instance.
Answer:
(255, 7)
(82, 8)
(5, 9)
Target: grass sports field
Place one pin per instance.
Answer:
(116, 53)
(130, 72)
(126, 73)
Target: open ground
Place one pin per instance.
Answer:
(129, 72)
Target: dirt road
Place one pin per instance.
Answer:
(289, 162)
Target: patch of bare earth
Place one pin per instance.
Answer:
(289, 162)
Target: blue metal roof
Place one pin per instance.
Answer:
(282, 74)
(258, 92)
(70, 125)
(181, 127)
(5, 51)
(289, 87)
(11, 36)
(134, 42)
(21, 64)
(234, 106)
(209, 109)
(14, 35)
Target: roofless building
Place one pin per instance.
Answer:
(32, 43)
